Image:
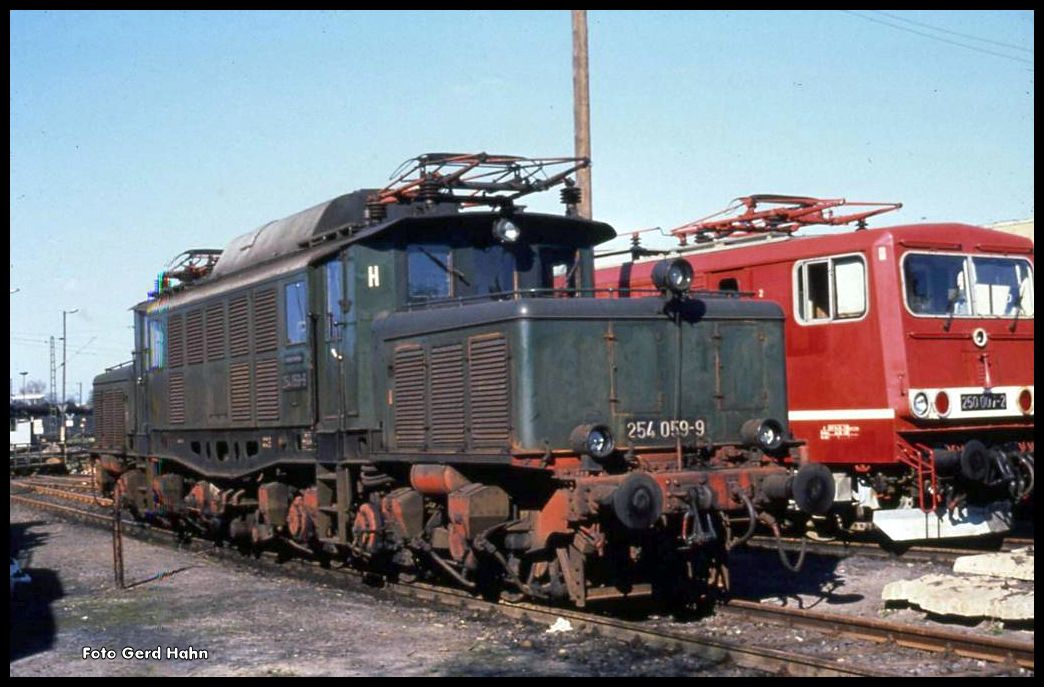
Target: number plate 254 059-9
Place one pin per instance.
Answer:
(666, 429)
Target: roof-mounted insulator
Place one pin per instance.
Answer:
(376, 211)
(429, 191)
(570, 196)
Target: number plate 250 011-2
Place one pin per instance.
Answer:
(666, 429)
(984, 401)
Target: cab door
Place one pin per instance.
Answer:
(140, 386)
(330, 353)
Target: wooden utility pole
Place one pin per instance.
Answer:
(581, 108)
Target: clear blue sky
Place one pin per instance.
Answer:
(136, 135)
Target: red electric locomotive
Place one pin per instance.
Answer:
(909, 354)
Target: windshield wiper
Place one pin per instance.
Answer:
(444, 266)
(952, 296)
(1017, 302)
(571, 272)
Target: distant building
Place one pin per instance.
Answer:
(33, 424)
(22, 432)
(1020, 227)
(26, 398)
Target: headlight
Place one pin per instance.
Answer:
(593, 440)
(766, 434)
(920, 404)
(506, 231)
(674, 276)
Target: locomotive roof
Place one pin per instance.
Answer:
(292, 243)
(763, 249)
(291, 234)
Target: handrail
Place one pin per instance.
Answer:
(560, 293)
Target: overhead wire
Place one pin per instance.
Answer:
(952, 33)
(938, 38)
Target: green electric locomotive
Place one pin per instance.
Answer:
(422, 380)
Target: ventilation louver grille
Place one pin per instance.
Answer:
(115, 420)
(119, 408)
(239, 391)
(110, 419)
(238, 327)
(176, 400)
(447, 395)
(101, 412)
(176, 340)
(266, 388)
(216, 332)
(194, 337)
(266, 331)
(410, 393)
(488, 377)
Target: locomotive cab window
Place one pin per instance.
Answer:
(296, 312)
(157, 345)
(947, 285)
(1002, 287)
(561, 270)
(494, 271)
(429, 272)
(830, 289)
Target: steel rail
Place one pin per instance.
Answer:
(845, 549)
(56, 481)
(716, 650)
(923, 638)
(64, 493)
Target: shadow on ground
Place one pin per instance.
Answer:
(759, 574)
(32, 619)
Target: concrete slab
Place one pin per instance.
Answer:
(970, 597)
(912, 524)
(1016, 564)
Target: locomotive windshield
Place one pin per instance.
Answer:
(968, 286)
(439, 271)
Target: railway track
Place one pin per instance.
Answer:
(922, 638)
(69, 492)
(867, 549)
(75, 482)
(998, 651)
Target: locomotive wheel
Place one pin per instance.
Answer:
(103, 481)
(512, 597)
(1024, 477)
(298, 522)
(365, 527)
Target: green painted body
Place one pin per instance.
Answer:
(568, 358)
(612, 362)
